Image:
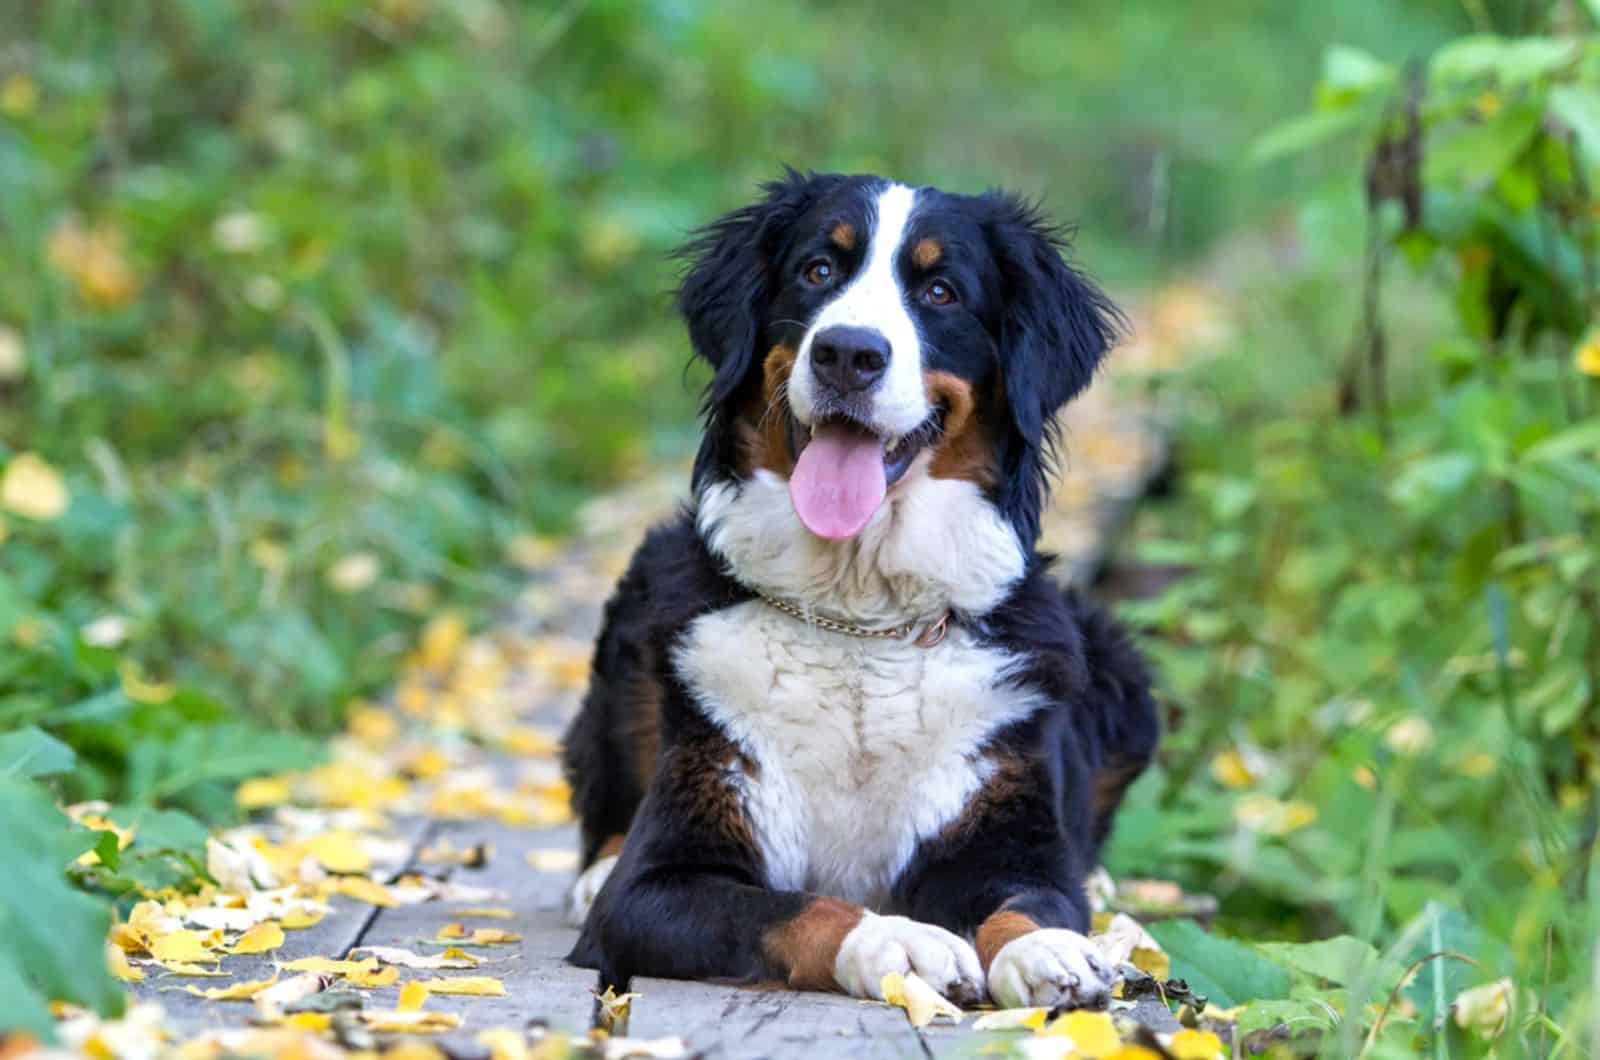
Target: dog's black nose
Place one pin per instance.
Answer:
(849, 359)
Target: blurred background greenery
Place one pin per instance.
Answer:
(316, 315)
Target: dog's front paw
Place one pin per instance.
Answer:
(586, 888)
(1050, 967)
(879, 945)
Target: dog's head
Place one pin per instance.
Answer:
(863, 334)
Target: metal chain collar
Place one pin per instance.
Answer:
(930, 636)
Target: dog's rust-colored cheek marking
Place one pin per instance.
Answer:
(803, 950)
(611, 848)
(843, 235)
(1110, 782)
(997, 930)
(927, 253)
(967, 450)
(764, 424)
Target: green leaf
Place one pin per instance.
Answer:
(1578, 106)
(1574, 441)
(32, 752)
(1511, 62)
(52, 936)
(1342, 960)
(1316, 1013)
(1477, 153)
(1229, 973)
(1351, 72)
(1301, 134)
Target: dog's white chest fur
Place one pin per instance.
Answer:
(859, 748)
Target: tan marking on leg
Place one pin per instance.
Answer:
(927, 252)
(843, 235)
(764, 424)
(805, 948)
(966, 451)
(1000, 928)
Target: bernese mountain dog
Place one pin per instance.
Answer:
(842, 721)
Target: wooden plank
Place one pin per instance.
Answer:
(722, 1022)
(540, 986)
(331, 937)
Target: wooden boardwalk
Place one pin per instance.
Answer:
(1114, 453)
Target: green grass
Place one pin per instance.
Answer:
(323, 306)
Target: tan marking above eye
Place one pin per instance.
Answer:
(927, 253)
(843, 235)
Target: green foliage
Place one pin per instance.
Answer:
(1390, 620)
(55, 936)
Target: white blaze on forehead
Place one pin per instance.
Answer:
(875, 299)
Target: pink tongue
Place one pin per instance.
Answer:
(838, 481)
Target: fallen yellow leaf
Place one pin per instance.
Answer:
(315, 1022)
(553, 860)
(467, 986)
(485, 912)
(339, 852)
(270, 1002)
(452, 931)
(1189, 1044)
(452, 958)
(1011, 1019)
(30, 487)
(182, 945)
(197, 971)
(412, 997)
(366, 890)
(531, 742)
(332, 966)
(1485, 1010)
(392, 1022)
(493, 937)
(1092, 1033)
(242, 991)
(117, 961)
(302, 917)
(381, 977)
(262, 938)
(921, 1001)
(1231, 770)
(261, 792)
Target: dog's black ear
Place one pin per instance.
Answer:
(729, 280)
(1055, 328)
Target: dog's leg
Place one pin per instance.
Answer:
(1010, 875)
(686, 900)
(586, 888)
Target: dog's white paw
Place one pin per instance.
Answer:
(1050, 967)
(879, 945)
(586, 887)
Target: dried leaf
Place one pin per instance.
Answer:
(1093, 1034)
(339, 852)
(644, 1049)
(381, 977)
(241, 991)
(365, 890)
(331, 965)
(271, 1001)
(486, 912)
(556, 859)
(409, 1022)
(466, 985)
(195, 971)
(451, 958)
(493, 937)
(302, 917)
(263, 938)
(1190, 1044)
(921, 1001)
(614, 1010)
(1011, 1019)
(182, 946)
(117, 961)
(412, 997)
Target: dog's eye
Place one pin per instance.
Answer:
(818, 272)
(939, 293)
